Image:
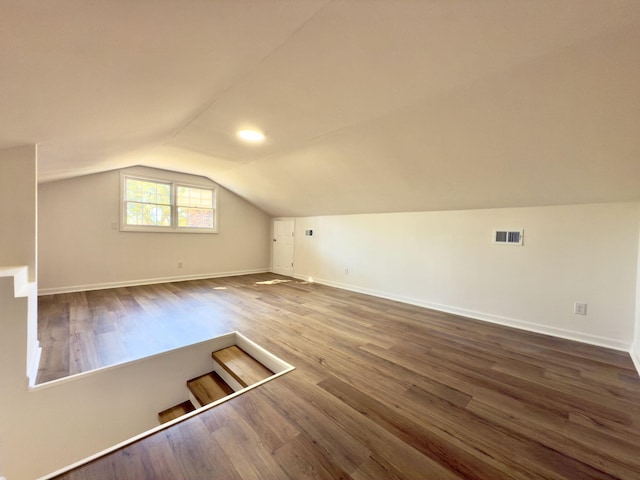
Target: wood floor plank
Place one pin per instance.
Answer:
(198, 454)
(345, 451)
(271, 426)
(389, 454)
(618, 458)
(246, 452)
(301, 459)
(469, 461)
(381, 389)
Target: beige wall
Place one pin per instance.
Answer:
(635, 351)
(446, 260)
(79, 248)
(18, 208)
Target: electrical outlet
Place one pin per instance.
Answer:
(179, 264)
(580, 308)
(346, 271)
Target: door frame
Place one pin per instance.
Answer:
(273, 233)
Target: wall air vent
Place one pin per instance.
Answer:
(508, 236)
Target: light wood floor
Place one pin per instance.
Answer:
(382, 390)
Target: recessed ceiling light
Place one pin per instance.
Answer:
(251, 135)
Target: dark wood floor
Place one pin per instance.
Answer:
(382, 390)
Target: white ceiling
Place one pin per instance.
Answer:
(368, 105)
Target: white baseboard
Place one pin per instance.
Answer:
(506, 321)
(146, 281)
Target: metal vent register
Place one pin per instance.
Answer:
(508, 236)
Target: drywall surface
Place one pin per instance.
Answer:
(635, 349)
(18, 235)
(13, 358)
(18, 208)
(81, 246)
(446, 260)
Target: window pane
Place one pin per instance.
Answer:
(194, 197)
(159, 215)
(195, 217)
(144, 191)
(134, 214)
(148, 214)
(195, 207)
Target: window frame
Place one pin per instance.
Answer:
(174, 184)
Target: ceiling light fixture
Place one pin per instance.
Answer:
(253, 136)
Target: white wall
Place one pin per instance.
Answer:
(13, 358)
(18, 233)
(17, 248)
(79, 249)
(635, 350)
(18, 208)
(445, 260)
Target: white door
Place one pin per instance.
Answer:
(282, 253)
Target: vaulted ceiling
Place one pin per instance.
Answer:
(368, 105)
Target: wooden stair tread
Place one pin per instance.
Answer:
(208, 388)
(176, 411)
(241, 366)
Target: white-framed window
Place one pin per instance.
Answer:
(161, 205)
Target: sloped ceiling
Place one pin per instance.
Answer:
(368, 105)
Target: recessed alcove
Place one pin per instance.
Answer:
(134, 393)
